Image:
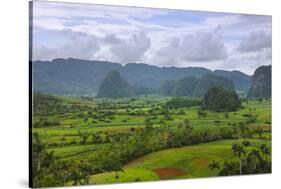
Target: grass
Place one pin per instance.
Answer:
(185, 162)
(73, 150)
(192, 160)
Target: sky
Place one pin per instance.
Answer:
(159, 37)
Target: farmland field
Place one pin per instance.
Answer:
(112, 128)
(191, 161)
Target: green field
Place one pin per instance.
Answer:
(192, 161)
(87, 130)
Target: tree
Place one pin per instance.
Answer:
(85, 170)
(217, 122)
(243, 129)
(182, 102)
(230, 168)
(76, 177)
(246, 143)
(63, 166)
(96, 138)
(256, 164)
(238, 150)
(84, 138)
(259, 132)
(214, 165)
(265, 150)
(41, 160)
(186, 123)
(201, 113)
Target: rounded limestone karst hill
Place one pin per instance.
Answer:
(261, 83)
(221, 99)
(114, 86)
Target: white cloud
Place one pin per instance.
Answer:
(129, 34)
(83, 46)
(128, 50)
(79, 45)
(256, 41)
(197, 47)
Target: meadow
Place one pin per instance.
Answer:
(82, 131)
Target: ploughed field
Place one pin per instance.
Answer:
(78, 129)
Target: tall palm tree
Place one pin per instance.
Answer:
(86, 170)
(265, 150)
(76, 177)
(238, 150)
(246, 143)
(256, 153)
(63, 166)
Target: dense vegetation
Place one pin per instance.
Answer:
(254, 161)
(182, 102)
(221, 99)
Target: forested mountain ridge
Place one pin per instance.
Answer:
(77, 77)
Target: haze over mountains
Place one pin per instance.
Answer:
(77, 77)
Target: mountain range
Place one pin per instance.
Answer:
(75, 77)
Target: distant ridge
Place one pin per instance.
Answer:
(75, 77)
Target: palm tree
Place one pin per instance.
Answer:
(246, 143)
(76, 177)
(265, 150)
(234, 148)
(62, 167)
(214, 165)
(255, 153)
(86, 170)
(48, 158)
(238, 150)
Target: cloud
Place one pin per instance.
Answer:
(79, 45)
(128, 50)
(256, 41)
(45, 15)
(197, 47)
(155, 36)
(84, 46)
(207, 46)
